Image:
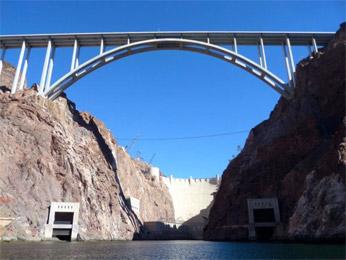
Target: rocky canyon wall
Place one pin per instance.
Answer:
(155, 201)
(298, 156)
(49, 151)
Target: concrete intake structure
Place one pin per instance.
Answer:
(62, 221)
(264, 216)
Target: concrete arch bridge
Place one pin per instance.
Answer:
(129, 43)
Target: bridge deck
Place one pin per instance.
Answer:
(121, 38)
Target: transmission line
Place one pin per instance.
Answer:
(187, 137)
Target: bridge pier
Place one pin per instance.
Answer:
(262, 54)
(102, 46)
(314, 44)
(291, 60)
(19, 68)
(2, 57)
(45, 68)
(75, 56)
(25, 69)
(312, 47)
(288, 67)
(235, 47)
(50, 69)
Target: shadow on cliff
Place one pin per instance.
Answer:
(195, 226)
(4, 89)
(87, 121)
(159, 230)
(297, 155)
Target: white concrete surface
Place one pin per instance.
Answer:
(134, 204)
(190, 196)
(65, 207)
(155, 172)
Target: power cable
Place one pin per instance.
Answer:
(186, 137)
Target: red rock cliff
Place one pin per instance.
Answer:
(298, 155)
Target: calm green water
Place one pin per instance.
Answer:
(167, 250)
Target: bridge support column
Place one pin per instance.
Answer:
(291, 60)
(259, 55)
(235, 47)
(262, 54)
(288, 68)
(102, 46)
(18, 69)
(309, 50)
(50, 69)
(25, 70)
(314, 45)
(2, 56)
(75, 56)
(45, 68)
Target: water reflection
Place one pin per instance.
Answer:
(166, 250)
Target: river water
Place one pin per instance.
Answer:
(167, 250)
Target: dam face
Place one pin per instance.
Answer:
(191, 200)
(191, 196)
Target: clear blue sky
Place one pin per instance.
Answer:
(171, 93)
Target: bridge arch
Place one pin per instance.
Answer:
(207, 48)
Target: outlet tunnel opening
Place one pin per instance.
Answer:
(62, 234)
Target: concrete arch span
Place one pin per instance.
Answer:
(213, 50)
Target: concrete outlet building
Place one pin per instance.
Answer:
(264, 216)
(62, 221)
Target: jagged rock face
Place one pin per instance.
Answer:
(49, 152)
(297, 155)
(134, 178)
(7, 74)
(155, 200)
